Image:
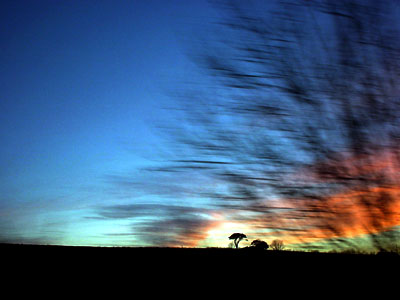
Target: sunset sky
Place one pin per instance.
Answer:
(84, 86)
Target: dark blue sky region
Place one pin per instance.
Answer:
(82, 84)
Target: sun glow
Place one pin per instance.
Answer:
(218, 235)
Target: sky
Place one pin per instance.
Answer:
(85, 91)
(82, 84)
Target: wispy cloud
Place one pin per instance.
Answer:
(339, 214)
(162, 224)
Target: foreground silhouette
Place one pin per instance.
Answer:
(103, 258)
(102, 265)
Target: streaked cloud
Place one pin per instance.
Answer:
(162, 224)
(339, 215)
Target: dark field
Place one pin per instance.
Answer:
(188, 273)
(186, 258)
(100, 268)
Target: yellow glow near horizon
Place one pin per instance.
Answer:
(218, 235)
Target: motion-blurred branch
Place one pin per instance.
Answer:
(307, 110)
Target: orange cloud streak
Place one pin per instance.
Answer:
(347, 214)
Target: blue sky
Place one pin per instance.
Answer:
(84, 96)
(83, 83)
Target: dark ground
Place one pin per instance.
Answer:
(191, 273)
(184, 257)
(206, 269)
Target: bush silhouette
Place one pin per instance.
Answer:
(258, 244)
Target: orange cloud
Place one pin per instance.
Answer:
(348, 214)
(362, 208)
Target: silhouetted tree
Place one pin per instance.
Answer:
(237, 237)
(304, 106)
(277, 245)
(258, 244)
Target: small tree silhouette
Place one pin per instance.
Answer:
(277, 245)
(258, 244)
(237, 237)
